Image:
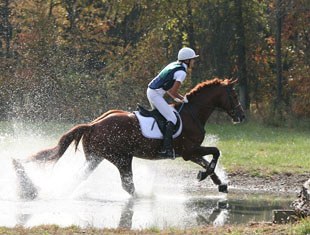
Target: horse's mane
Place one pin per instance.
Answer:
(207, 83)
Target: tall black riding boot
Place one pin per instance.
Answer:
(167, 150)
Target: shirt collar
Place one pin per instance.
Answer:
(184, 65)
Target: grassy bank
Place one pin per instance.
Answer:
(300, 228)
(262, 150)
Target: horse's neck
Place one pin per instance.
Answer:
(204, 114)
(203, 108)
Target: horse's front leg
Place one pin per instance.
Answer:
(196, 156)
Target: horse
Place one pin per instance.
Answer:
(116, 135)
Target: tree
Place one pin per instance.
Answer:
(279, 19)
(5, 27)
(241, 56)
(84, 57)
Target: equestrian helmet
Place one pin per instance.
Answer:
(186, 53)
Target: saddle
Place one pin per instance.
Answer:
(153, 124)
(160, 119)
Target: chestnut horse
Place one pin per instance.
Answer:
(116, 135)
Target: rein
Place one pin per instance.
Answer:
(232, 112)
(194, 117)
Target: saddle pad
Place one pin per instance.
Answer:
(150, 128)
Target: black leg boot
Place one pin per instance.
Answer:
(167, 150)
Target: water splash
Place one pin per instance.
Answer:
(168, 193)
(212, 140)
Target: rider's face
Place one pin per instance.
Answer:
(191, 63)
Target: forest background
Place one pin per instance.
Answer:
(71, 60)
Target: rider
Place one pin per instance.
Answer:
(169, 81)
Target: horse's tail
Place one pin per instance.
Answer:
(53, 154)
(75, 134)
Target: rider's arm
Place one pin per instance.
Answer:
(173, 92)
(179, 77)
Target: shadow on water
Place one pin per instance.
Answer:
(168, 194)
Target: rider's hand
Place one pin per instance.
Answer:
(185, 100)
(178, 100)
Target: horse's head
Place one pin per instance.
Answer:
(217, 93)
(230, 103)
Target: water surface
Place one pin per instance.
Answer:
(168, 193)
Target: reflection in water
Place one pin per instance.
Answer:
(136, 213)
(235, 211)
(127, 214)
(209, 211)
(169, 194)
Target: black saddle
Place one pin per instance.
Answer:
(160, 119)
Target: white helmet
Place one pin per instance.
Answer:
(186, 53)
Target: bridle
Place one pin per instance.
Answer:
(232, 112)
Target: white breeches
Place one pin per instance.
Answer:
(156, 99)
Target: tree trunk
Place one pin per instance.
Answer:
(279, 16)
(71, 8)
(7, 28)
(191, 38)
(241, 57)
(50, 12)
(190, 26)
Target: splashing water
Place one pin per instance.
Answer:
(212, 140)
(168, 193)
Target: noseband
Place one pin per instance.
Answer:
(234, 110)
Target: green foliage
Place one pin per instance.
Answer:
(303, 227)
(76, 59)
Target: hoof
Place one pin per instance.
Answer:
(223, 188)
(202, 175)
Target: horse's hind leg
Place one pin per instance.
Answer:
(92, 161)
(90, 166)
(26, 188)
(124, 166)
(127, 181)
